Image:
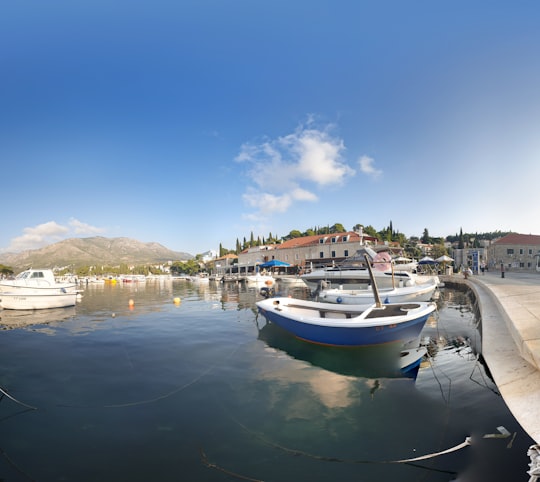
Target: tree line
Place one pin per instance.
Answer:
(387, 233)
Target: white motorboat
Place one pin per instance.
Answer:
(259, 279)
(365, 297)
(38, 299)
(35, 279)
(358, 278)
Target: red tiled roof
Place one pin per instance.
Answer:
(228, 256)
(523, 239)
(313, 240)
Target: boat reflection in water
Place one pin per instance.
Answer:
(10, 319)
(391, 360)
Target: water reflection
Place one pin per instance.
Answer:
(11, 319)
(369, 362)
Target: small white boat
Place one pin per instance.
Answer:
(290, 280)
(202, 277)
(38, 300)
(260, 280)
(35, 279)
(365, 297)
(133, 278)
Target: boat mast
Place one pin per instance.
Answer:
(378, 303)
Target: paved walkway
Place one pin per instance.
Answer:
(510, 310)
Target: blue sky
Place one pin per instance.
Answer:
(194, 123)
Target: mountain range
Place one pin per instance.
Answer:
(92, 251)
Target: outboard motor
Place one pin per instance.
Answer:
(267, 291)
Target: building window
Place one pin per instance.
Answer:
(510, 251)
(296, 256)
(530, 252)
(333, 254)
(333, 239)
(346, 252)
(520, 250)
(321, 254)
(345, 239)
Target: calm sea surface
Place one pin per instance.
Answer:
(203, 390)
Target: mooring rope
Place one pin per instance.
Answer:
(15, 400)
(295, 452)
(436, 454)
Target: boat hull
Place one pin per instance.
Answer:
(328, 324)
(37, 301)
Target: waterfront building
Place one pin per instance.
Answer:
(515, 251)
(308, 251)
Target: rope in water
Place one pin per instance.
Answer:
(214, 466)
(15, 400)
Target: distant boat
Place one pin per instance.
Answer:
(259, 279)
(202, 277)
(347, 325)
(290, 280)
(133, 278)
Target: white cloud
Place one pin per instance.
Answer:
(319, 157)
(83, 228)
(266, 202)
(366, 166)
(36, 237)
(288, 169)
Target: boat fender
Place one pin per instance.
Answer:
(339, 299)
(63, 290)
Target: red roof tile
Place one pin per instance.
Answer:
(523, 239)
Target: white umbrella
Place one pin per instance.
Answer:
(444, 259)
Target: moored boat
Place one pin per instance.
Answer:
(347, 325)
(259, 279)
(366, 297)
(38, 300)
(33, 279)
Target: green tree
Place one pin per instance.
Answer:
(337, 228)
(461, 243)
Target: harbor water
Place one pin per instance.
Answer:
(177, 381)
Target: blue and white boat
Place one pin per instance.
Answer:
(347, 325)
